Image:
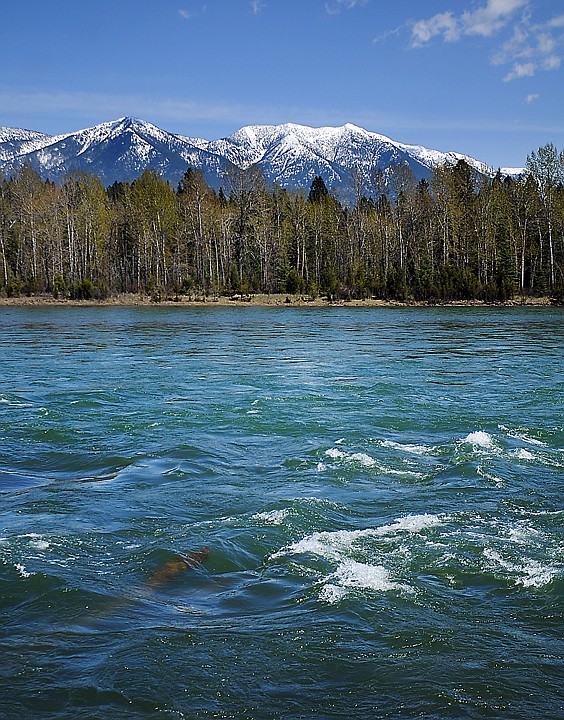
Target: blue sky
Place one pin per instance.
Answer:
(483, 77)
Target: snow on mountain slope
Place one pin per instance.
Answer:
(15, 142)
(290, 154)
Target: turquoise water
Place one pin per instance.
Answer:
(381, 491)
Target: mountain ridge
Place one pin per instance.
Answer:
(290, 154)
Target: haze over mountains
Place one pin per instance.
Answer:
(290, 155)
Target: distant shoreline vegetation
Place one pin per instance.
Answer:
(460, 237)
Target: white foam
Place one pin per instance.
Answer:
(523, 454)
(273, 517)
(536, 575)
(413, 523)
(522, 534)
(332, 545)
(22, 570)
(489, 476)
(522, 436)
(352, 575)
(361, 458)
(37, 541)
(494, 557)
(407, 447)
(529, 574)
(479, 439)
(531, 440)
(40, 544)
(404, 473)
(17, 404)
(335, 453)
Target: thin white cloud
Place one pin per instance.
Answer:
(186, 14)
(87, 107)
(336, 6)
(491, 18)
(517, 47)
(531, 98)
(445, 24)
(388, 33)
(521, 70)
(486, 21)
(546, 43)
(531, 48)
(552, 62)
(256, 6)
(556, 22)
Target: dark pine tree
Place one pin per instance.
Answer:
(318, 190)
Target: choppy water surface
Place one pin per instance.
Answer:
(381, 491)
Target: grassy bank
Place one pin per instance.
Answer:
(259, 300)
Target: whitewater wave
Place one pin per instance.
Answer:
(23, 572)
(351, 575)
(408, 447)
(359, 457)
(37, 541)
(331, 544)
(522, 454)
(522, 435)
(480, 439)
(364, 460)
(414, 523)
(529, 573)
(272, 517)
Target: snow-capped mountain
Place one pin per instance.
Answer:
(118, 150)
(290, 155)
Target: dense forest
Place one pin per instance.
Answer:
(459, 236)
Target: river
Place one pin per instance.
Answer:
(381, 491)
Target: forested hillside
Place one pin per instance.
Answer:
(460, 236)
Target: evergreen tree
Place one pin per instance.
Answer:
(318, 190)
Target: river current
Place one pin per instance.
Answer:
(380, 490)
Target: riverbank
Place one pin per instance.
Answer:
(259, 300)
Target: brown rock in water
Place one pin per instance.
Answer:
(172, 568)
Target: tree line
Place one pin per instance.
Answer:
(458, 236)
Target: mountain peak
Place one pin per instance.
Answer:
(289, 154)
(354, 128)
(130, 121)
